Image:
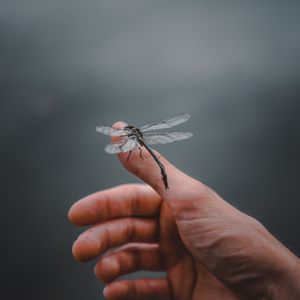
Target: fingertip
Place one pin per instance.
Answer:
(78, 213)
(105, 292)
(106, 269)
(76, 251)
(85, 248)
(115, 290)
(119, 125)
(72, 214)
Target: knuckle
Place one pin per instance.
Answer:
(130, 229)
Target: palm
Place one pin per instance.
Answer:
(188, 277)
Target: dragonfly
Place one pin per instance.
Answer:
(132, 138)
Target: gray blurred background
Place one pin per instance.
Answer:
(67, 66)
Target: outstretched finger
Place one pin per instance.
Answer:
(132, 258)
(140, 289)
(121, 201)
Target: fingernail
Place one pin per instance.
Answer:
(105, 291)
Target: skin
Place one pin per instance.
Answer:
(207, 248)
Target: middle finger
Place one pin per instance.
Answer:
(104, 236)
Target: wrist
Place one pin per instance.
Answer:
(262, 268)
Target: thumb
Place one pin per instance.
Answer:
(189, 199)
(142, 164)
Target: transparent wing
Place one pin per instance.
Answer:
(168, 123)
(114, 148)
(130, 144)
(110, 131)
(165, 137)
(121, 146)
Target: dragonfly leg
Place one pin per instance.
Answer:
(141, 156)
(128, 156)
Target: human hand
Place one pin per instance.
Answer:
(208, 249)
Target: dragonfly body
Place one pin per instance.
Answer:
(134, 132)
(133, 137)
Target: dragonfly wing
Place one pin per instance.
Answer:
(121, 146)
(114, 148)
(110, 131)
(129, 144)
(168, 123)
(166, 137)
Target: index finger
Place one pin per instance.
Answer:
(121, 201)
